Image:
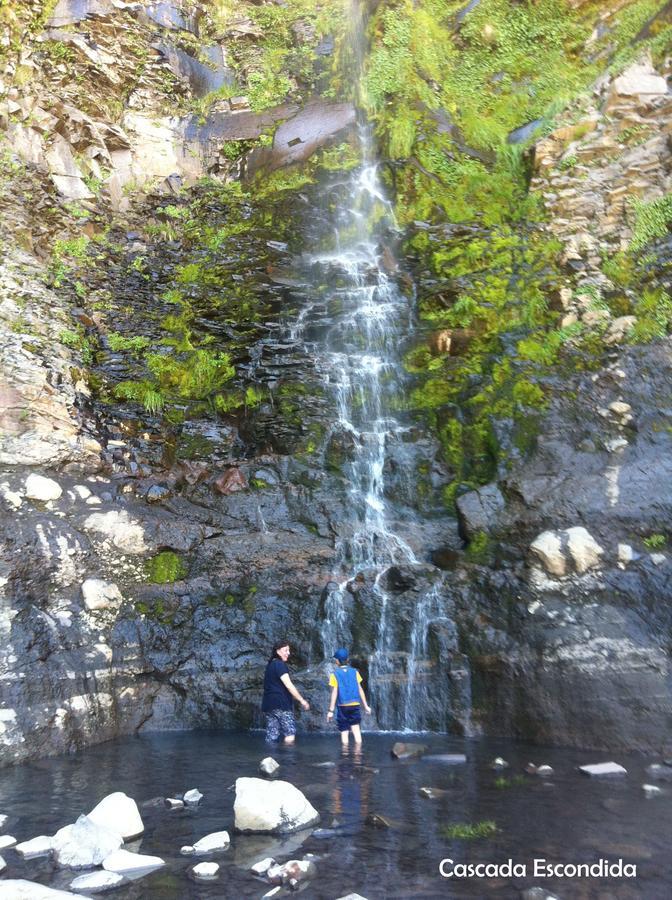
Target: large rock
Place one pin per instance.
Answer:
(639, 80)
(275, 806)
(43, 489)
(84, 844)
(38, 846)
(123, 862)
(553, 548)
(218, 840)
(119, 814)
(96, 882)
(479, 510)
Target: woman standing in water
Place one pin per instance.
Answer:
(277, 702)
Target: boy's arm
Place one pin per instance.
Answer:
(332, 702)
(362, 695)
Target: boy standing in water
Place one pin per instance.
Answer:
(348, 697)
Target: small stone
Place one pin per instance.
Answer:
(619, 408)
(531, 769)
(650, 790)
(657, 558)
(82, 491)
(6, 841)
(193, 796)
(377, 821)
(272, 893)
(3, 820)
(173, 803)
(544, 771)
(583, 548)
(97, 881)
(352, 897)
(261, 868)
(206, 870)
(408, 751)
(42, 489)
(615, 444)
(547, 547)
(498, 762)
(187, 850)
(432, 793)
(157, 493)
(268, 766)
(597, 770)
(38, 846)
(218, 840)
(626, 554)
(99, 594)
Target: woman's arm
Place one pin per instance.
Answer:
(287, 681)
(332, 702)
(362, 695)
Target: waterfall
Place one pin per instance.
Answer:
(356, 345)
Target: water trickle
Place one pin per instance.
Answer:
(354, 329)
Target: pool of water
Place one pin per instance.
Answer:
(567, 818)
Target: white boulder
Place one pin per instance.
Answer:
(583, 548)
(38, 846)
(271, 806)
(84, 844)
(124, 862)
(206, 870)
(547, 547)
(20, 889)
(601, 769)
(3, 819)
(651, 790)
(268, 766)
(7, 841)
(120, 814)
(96, 881)
(193, 796)
(43, 489)
(99, 594)
(218, 840)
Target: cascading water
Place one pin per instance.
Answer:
(354, 332)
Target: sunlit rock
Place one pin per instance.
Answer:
(218, 840)
(547, 547)
(206, 870)
(38, 846)
(119, 814)
(126, 863)
(268, 766)
(99, 594)
(84, 844)
(271, 806)
(583, 548)
(43, 489)
(97, 881)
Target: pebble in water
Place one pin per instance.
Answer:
(206, 870)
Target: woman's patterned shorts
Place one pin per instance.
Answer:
(279, 723)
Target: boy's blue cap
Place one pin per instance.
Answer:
(341, 654)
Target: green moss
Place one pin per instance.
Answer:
(165, 568)
(467, 831)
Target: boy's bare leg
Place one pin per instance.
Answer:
(345, 738)
(356, 733)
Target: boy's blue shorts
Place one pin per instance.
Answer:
(347, 716)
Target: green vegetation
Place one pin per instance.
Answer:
(165, 568)
(652, 220)
(655, 541)
(502, 783)
(464, 831)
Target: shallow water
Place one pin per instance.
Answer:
(566, 818)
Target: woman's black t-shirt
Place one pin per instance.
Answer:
(276, 695)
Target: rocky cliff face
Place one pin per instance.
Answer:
(194, 492)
